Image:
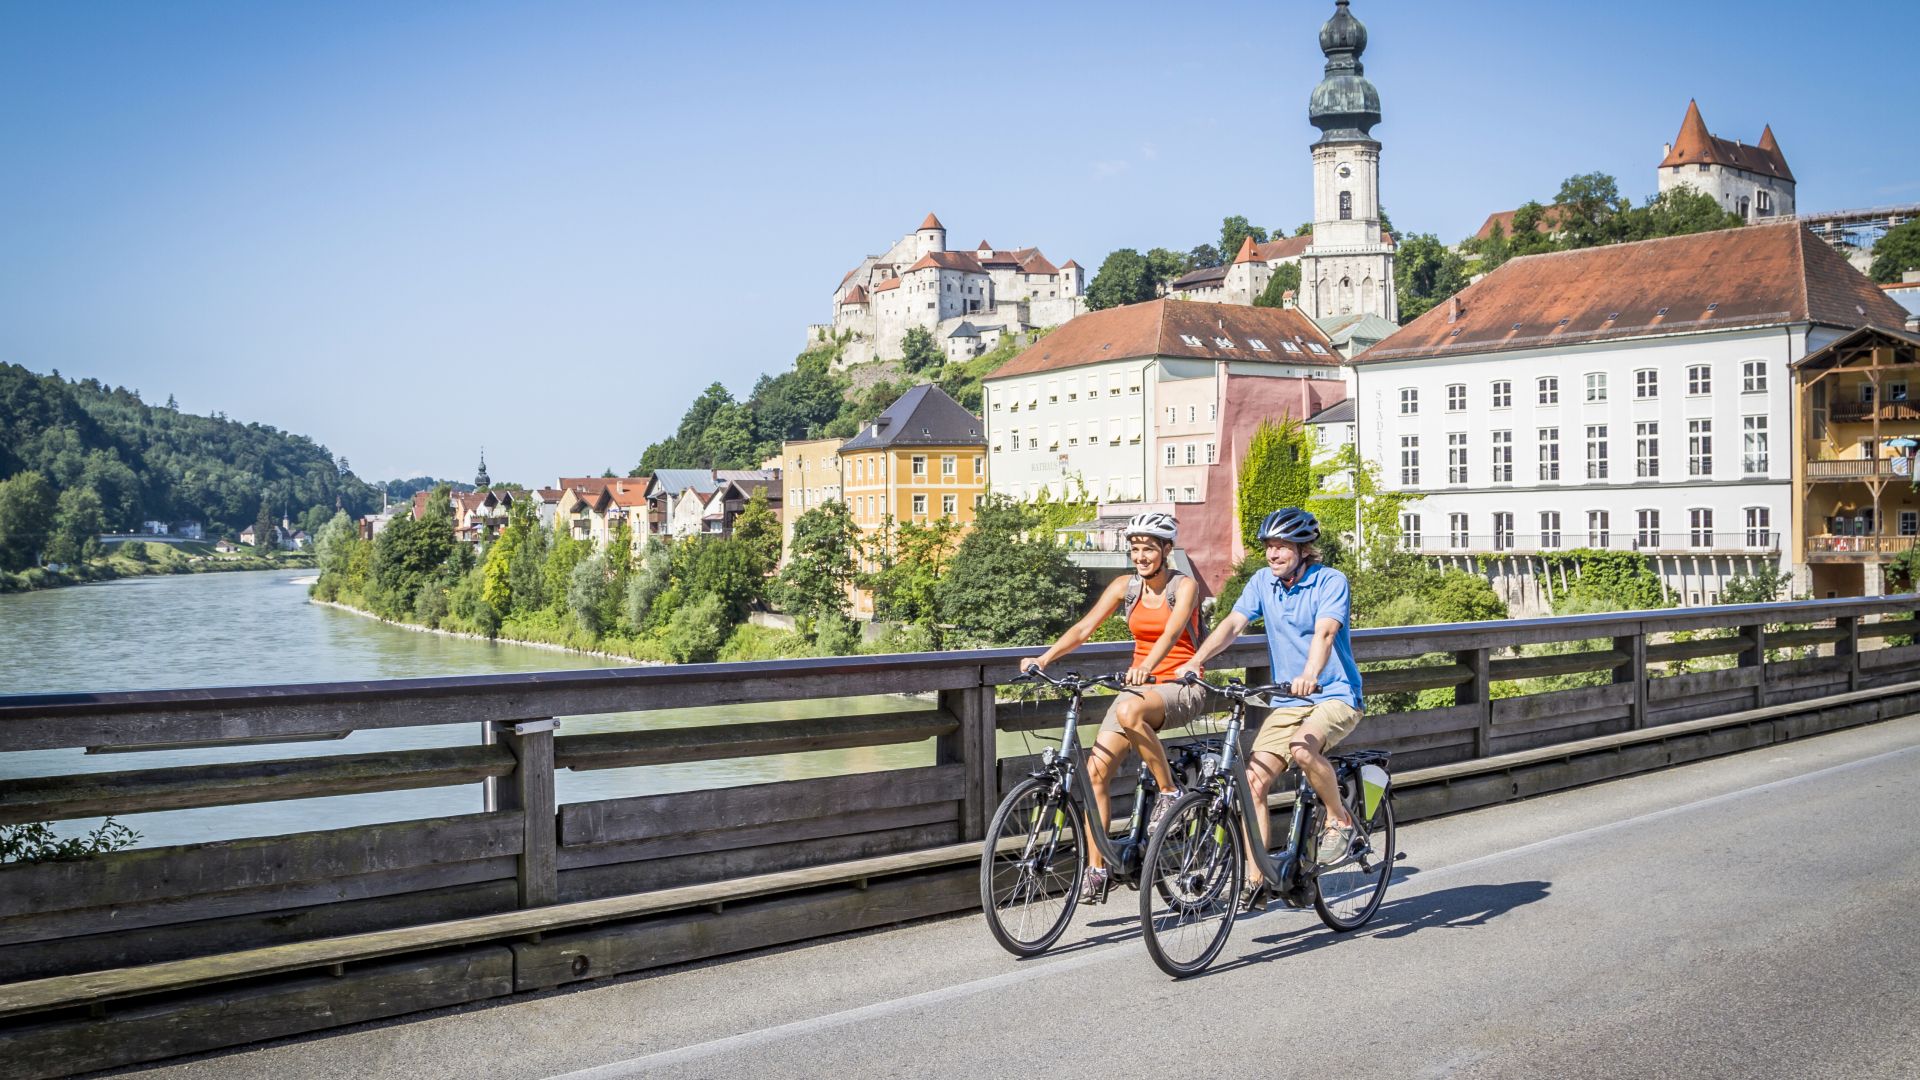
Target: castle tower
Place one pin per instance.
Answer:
(1751, 181)
(1247, 277)
(1348, 266)
(929, 237)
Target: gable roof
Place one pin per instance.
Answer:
(923, 416)
(887, 285)
(674, 481)
(948, 260)
(1159, 327)
(1696, 145)
(1337, 413)
(1283, 247)
(1753, 276)
(1504, 218)
(855, 295)
(1203, 278)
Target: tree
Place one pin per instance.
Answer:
(1529, 237)
(723, 567)
(1386, 225)
(1278, 472)
(1896, 252)
(408, 554)
(1286, 278)
(1203, 257)
(697, 630)
(1163, 266)
(263, 528)
(1009, 583)
(1124, 278)
(1588, 211)
(564, 552)
(1305, 228)
(26, 519)
(1678, 212)
(77, 525)
(651, 577)
(911, 560)
(587, 591)
(1425, 273)
(1233, 230)
(1762, 587)
(727, 442)
(820, 569)
(918, 352)
(758, 531)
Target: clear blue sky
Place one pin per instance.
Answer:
(408, 229)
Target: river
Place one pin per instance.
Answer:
(258, 627)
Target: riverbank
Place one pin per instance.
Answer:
(466, 636)
(159, 560)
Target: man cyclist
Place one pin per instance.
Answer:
(1161, 607)
(1307, 610)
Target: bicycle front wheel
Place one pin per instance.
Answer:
(1196, 861)
(1348, 894)
(1030, 867)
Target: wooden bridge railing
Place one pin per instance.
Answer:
(521, 847)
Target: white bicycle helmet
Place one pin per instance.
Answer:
(1155, 524)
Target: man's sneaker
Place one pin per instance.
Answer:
(1253, 897)
(1161, 804)
(1094, 885)
(1335, 844)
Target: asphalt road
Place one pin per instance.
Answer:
(1747, 917)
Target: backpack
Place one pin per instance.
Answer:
(1135, 586)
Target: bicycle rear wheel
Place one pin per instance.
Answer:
(1196, 860)
(1030, 866)
(1349, 894)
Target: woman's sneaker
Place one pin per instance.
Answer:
(1335, 844)
(1161, 804)
(1094, 885)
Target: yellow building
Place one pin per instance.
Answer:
(811, 471)
(923, 459)
(1857, 430)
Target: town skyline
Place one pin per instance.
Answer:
(416, 210)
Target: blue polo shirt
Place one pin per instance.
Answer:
(1290, 614)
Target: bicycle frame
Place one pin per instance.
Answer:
(1073, 761)
(1278, 875)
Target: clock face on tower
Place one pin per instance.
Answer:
(1346, 171)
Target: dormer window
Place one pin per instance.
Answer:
(1223, 342)
(1290, 346)
(1258, 345)
(1191, 340)
(1315, 348)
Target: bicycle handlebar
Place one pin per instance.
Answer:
(1238, 691)
(1076, 683)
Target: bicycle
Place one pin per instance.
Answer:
(1197, 857)
(1032, 861)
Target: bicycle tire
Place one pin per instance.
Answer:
(1357, 893)
(1028, 902)
(1198, 855)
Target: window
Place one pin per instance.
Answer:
(1646, 448)
(1225, 343)
(1503, 457)
(1910, 523)
(919, 506)
(1763, 201)
(1502, 530)
(1033, 438)
(1760, 527)
(1192, 496)
(1456, 397)
(1549, 453)
(1700, 527)
(1192, 456)
(1173, 452)
(1410, 531)
(1596, 386)
(1258, 345)
(1753, 458)
(1456, 531)
(1170, 495)
(1549, 390)
(1173, 415)
(1190, 340)
(949, 505)
(1213, 411)
(1699, 379)
(979, 466)
(1647, 536)
(919, 466)
(1599, 535)
(1699, 448)
(1456, 457)
(1053, 391)
(1753, 376)
(1212, 457)
(1016, 439)
(1596, 451)
(1549, 529)
(1646, 384)
(1193, 413)
(1346, 206)
(1866, 393)
(949, 466)
(1409, 401)
(1896, 391)
(1501, 395)
(1409, 461)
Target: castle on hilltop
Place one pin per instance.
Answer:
(967, 299)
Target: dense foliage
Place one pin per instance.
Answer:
(1589, 211)
(1896, 252)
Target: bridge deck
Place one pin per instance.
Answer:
(1727, 918)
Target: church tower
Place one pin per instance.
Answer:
(1348, 267)
(481, 481)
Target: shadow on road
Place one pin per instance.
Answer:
(1447, 909)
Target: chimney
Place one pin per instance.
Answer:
(1288, 300)
(1453, 308)
(1666, 149)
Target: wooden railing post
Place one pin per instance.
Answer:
(974, 746)
(1849, 647)
(1478, 691)
(530, 791)
(1755, 656)
(1634, 671)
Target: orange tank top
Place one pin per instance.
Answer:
(1147, 624)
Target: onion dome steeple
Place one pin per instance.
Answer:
(481, 481)
(1345, 106)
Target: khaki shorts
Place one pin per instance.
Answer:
(1330, 721)
(1183, 704)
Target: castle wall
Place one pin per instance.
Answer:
(1731, 186)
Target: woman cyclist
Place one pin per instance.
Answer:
(1161, 607)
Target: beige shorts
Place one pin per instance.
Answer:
(1330, 721)
(1183, 704)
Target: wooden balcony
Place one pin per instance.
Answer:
(1846, 470)
(1855, 548)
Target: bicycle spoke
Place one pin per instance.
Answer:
(1030, 868)
(1195, 863)
(1350, 891)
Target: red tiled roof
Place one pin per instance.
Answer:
(548, 494)
(844, 280)
(855, 295)
(932, 223)
(1071, 265)
(1696, 145)
(1283, 248)
(984, 246)
(1504, 218)
(884, 286)
(1758, 275)
(948, 260)
(1157, 327)
(1038, 264)
(1247, 253)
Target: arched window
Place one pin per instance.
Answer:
(1346, 205)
